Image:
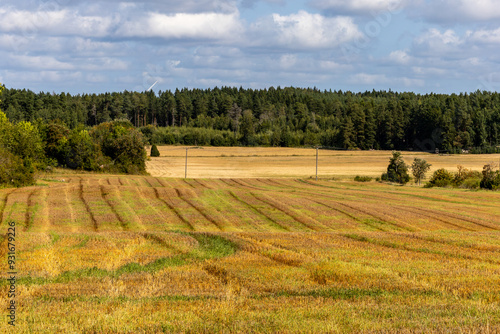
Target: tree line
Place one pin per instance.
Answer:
(287, 117)
(27, 148)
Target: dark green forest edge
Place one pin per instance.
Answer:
(107, 132)
(286, 117)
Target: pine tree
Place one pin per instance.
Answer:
(154, 151)
(397, 171)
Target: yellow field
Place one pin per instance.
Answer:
(243, 162)
(137, 254)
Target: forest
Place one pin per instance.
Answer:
(287, 117)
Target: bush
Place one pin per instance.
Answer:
(14, 171)
(464, 174)
(362, 178)
(441, 178)
(471, 183)
(154, 151)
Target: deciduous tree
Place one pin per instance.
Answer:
(419, 167)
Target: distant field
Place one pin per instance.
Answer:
(137, 254)
(243, 162)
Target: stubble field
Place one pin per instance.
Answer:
(147, 254)
(243, 162)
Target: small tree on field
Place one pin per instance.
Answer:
(491, 177)
(397, 171)
(419, 167)
(154, 151)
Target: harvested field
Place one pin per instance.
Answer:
(135, 254)
(243, 162)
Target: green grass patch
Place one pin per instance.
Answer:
(210, 247)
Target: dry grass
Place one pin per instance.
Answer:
(243, 162)
(107, 254)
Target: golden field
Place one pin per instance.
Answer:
(244, 162)
(149, 254)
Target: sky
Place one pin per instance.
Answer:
(422, 46)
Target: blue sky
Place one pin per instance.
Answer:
(443, 46)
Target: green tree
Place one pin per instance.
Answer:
(247, 128)
(491, 177)
(154, 151)
(419, 167)
(24, 139)
(397, 171)
(123, 144)
(13, 171)
(55, 136)
(348, 134)
(83, 153)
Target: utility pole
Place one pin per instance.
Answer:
(317, 163)
(186, 163)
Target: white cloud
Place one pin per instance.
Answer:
(183, 25)
(251, 3)
(288, 61)
(40, 63)
(359, 6)
(400, 57)
(368, 79)
(485, 36)
(439, 44)
(96, 78)
(103, 64)
(304, 31)
(453, 11)
(18, 78)
(57, 23)
(428, 71)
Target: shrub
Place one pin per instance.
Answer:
(441, 178)
(362, 178)
(154, 151)
(14, 171)
(471, 183)
(463, 174)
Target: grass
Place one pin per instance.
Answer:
(145, 255)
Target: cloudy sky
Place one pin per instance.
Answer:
(440, 46)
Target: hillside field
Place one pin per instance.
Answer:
(148, 254)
